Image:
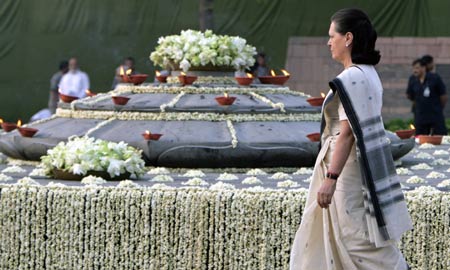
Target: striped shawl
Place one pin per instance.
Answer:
(360, 91)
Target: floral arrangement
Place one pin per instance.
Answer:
(81, 155)
(195, 49)
(167, 228)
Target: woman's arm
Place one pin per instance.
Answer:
(343, 148)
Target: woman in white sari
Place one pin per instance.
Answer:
(355, 210)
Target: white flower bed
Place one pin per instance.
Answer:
(127, 184)
(440, 153)
(38, 172)
(251, 180)
(27, 181)
(159, 170)
(426, 146)
(93, 180)
(194, 173)
(440, 162)
(444, 184)
(256, 172)
(162, 178)
(227, 177)
(415, 180)
(434, 175)
(280, 176)
(14, 170)
(222, 186)
(287, 184)
(403, 171)
(303, 171)
(5, 178)
(108, 228)
(196, 181)
(421, 166)
(423, 155)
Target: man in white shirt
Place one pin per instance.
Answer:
(75, 82)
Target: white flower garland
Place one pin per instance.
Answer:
(234, 140)
(98, 126)
(172, 103)
(186, 116)
(174, 89)
(206, 80)
(90, 100)
(163, 227)
(278, 105)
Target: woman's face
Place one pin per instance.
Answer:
(337, 42)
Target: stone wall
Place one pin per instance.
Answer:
(311, 66)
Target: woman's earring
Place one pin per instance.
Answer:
(346, 44)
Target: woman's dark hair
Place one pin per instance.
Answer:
(357, 22)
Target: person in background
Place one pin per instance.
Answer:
(54, 83)
(75, 82)
(128, 63)
(429, 62)
(428, 92)
(260, 68)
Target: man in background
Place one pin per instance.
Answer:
(75, 82)
(54, 85)
(427, 91)
(128, 63)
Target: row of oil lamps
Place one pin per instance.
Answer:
(186, 79)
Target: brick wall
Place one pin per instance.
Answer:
(311, 66)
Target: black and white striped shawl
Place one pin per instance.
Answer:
(360, 91)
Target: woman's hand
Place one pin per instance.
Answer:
(326, 192)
